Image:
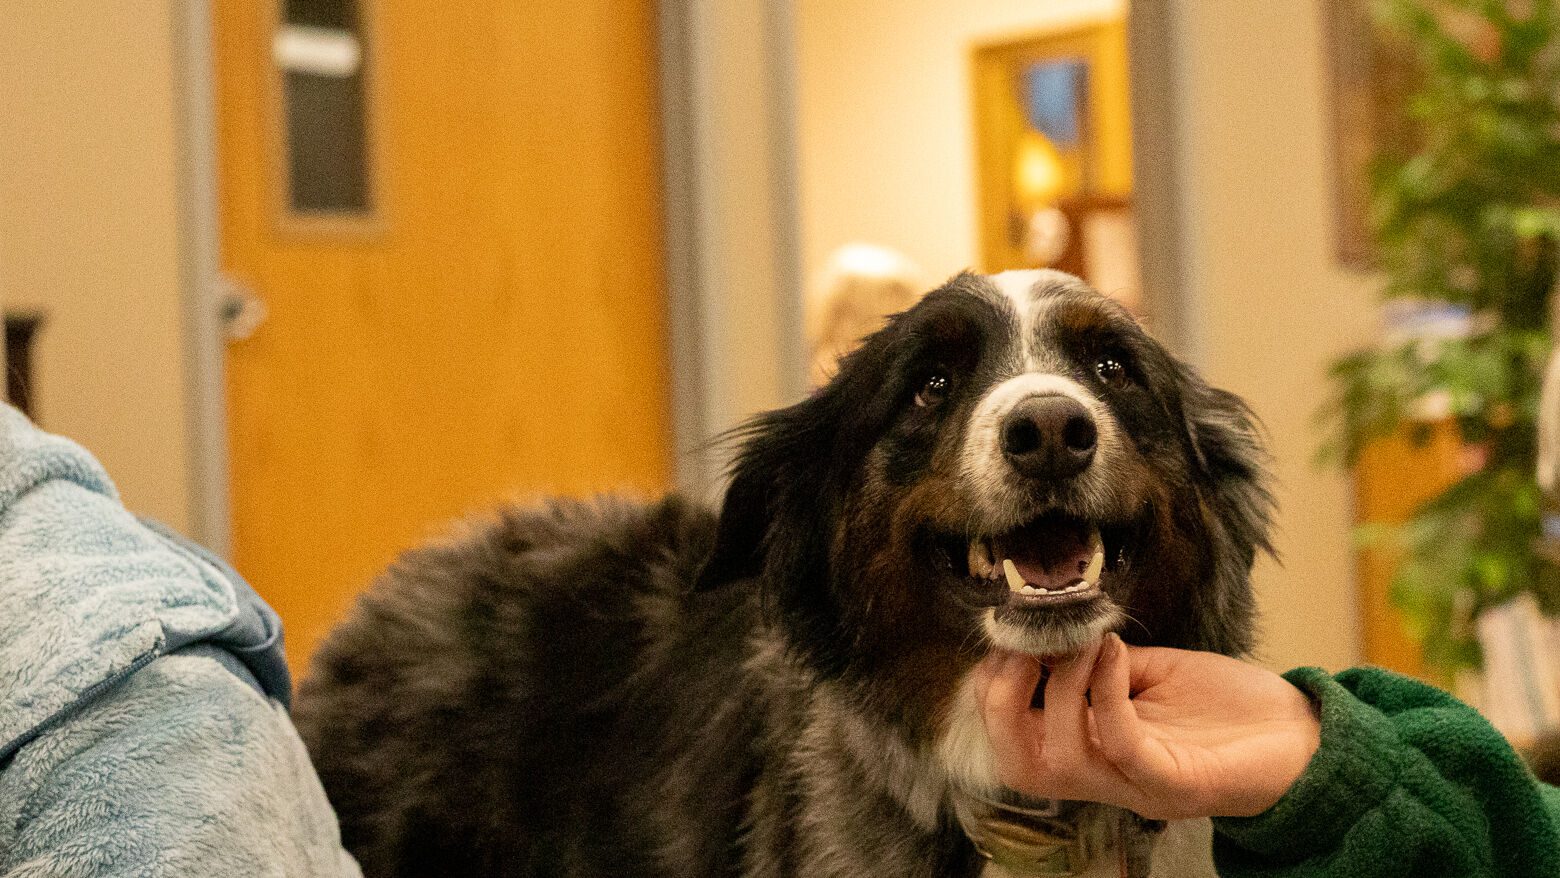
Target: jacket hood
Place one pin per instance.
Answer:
(89, 593)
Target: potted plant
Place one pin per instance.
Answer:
(1466, 218)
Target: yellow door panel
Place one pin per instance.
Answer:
(497, 328)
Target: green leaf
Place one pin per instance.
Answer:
(1469, 214)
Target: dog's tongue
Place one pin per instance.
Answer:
(1050, 554)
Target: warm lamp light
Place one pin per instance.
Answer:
(1037, 171)
(870, 261)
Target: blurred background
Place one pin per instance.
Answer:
(315, 277)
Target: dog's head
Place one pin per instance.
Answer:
(1011, 462)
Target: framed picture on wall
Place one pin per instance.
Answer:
(1373, 74)
(1054, 155)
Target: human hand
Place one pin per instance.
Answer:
(1170, 734)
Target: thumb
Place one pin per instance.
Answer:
(1006, 684)
(1116, 723)
(1011, 726)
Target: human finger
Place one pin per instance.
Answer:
(1010, 681)
(1066, 715)
(1116, 724)
(1150, 666)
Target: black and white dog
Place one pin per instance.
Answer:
(782, 690)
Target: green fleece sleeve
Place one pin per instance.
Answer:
(1408, 781)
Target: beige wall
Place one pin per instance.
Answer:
(88, 231)
(885, 131)
(1271, 306)
(885, 153)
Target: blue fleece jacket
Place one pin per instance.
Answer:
(143, 727)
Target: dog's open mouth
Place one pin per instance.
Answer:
(1047, 558)
(1053, 561)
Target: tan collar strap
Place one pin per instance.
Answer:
(1041, 838)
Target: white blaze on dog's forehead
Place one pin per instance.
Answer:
(1023, 286)
(1023, 290)
(1019, 289)
(1019, 286)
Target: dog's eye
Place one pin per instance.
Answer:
(1111, 372)
(934, 391)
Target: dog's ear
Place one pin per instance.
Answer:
(782, 454)
(1227, 446)
(1235, 506)
(744, 520)
(789, 490)
(785, 480)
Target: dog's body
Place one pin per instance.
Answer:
(783, 690)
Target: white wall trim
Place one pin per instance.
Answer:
(679, 136)
(733, 254)
(785, 181)
(1154, 45)
(200, 277)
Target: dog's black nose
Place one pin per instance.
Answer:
(1049, 437)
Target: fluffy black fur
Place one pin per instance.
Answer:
(652, 690)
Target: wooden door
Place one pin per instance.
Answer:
(493, 326)
(1394, 476)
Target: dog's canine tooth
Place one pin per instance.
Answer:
(1092, 575)
(981, 566)
(1015, 581)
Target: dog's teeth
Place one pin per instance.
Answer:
(980, 560)
(1092, 575)
(1015, 581)
(1029, 589)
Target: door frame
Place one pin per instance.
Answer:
(201, 277)
(1156, 53)
(733, 225)
(733, 275)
